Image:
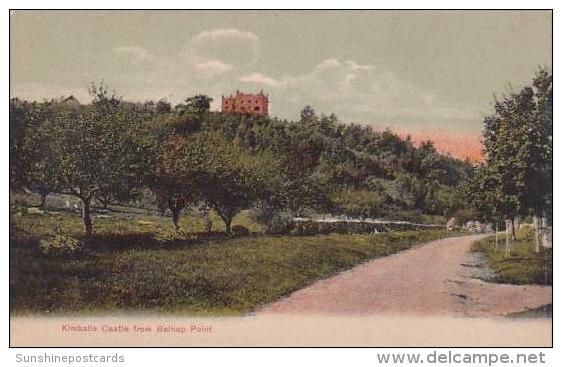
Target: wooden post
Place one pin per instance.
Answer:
(496, 236)
(536, 226)
(507, 238)
(545, 233)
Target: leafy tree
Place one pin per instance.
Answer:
(482, 193)
(173, 174)
(163, 107)
(31, 166)
(516, 175)
(190, 116)
(19, 123)
(307, 113)
(198, 104)
(207, 167)
(103, 100)
(93, 150)
(536, 148)
(231, 178)
(230, 162)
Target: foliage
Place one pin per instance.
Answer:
(360, 204)
(31, 164)
(264, 212)
(94, 149)
(280, 223)
(231, 178)
(173, 174)
(113, 149)
(60, 243)
(239, 230)
(117, 194)
(515, 179)
(199, 104)
(166, 236)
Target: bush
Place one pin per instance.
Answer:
(282, 223)
(60, 244)
(170, 235)
(239, 230)
(264, 213)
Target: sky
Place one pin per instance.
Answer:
(415, 72)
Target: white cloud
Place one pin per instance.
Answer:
(355, 66)
(229, 33)
(213, 67)
(223, 60)
(259, 78)
(357, 91)
(230, 46)
(138, 62)
(328, 64)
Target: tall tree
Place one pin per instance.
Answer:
(94, 150)
(173, 175)
(231, 178)
(518, 154)
(198, 104)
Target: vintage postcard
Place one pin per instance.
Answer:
(377, 178)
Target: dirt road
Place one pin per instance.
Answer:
(438, 278)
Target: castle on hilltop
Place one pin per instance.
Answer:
(240, 103)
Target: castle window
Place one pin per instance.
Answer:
(256, 108)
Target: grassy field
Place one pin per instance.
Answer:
(524, 265)
(137, 262)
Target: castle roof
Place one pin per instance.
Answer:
(247, 95)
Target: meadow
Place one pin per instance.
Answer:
(136, 261)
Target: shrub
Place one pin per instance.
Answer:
(263, 213)
(60, 243)
(239, 230)
(168, 235)
(282, 223)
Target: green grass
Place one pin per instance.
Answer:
(124, 266)
(523, 266)
(121, 221)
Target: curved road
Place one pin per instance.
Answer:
(437, 278)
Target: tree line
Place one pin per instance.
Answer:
(515, 178)
(109, 150)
